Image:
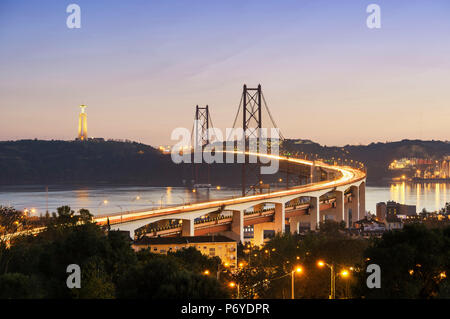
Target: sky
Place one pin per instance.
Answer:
(142, 66)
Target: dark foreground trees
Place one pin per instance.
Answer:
(35, 266)
(266, 270)
(414, 262)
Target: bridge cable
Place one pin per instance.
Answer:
(271, 117)
(237, 114)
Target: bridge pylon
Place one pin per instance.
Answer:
(201, 171)
(251, 124)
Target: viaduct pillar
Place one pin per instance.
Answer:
(187, 227)
(354, 205)
(362, 200)
(314, 212)
(237, 226)
(340, 210)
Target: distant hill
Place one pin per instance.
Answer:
(97, 161)
(93, 161)
(376, 156)
(115, 162)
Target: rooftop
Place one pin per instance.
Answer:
(183, 240)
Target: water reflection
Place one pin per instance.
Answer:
(431, 196)
(102, 200)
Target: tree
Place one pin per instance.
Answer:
(414, 263)
(161, 277)
(19, 286)
(193, 260)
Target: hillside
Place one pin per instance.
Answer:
(42, 162)
(114, 162)
(376, 156)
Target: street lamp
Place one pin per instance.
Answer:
(206, 272)
(344, 274)
(297, 270)
(103, 202)
(321, 264)
(160, 205)
(220, 268)
(121, 212)
(232, 285)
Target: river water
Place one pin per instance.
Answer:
(101, 200)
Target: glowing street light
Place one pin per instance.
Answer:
(322, 264)
(297, 270)
(206, 272)
(232, 285)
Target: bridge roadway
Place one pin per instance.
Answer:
(349, 180)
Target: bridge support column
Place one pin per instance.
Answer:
(279, 218)
(187, 227)
(340, 210)
(362, 200)
(355, 204)
(258, 233)
(314, 212)
(237, 225)
(294, 225)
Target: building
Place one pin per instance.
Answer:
(393, 223)
(397, 209)
(211, 246)
(82, 124)
(381, 211)
(370, 225)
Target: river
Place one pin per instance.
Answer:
(102, 199)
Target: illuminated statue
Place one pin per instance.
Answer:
(82, 124)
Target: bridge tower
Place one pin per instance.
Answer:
(201, 139)
(251, 124)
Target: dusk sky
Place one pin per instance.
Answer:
(142, 66)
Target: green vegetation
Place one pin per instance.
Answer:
(89, 162)
(415, 263)
(116, 162)
(264, 269)
(35, 266)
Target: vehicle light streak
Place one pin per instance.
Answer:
(348, 175)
